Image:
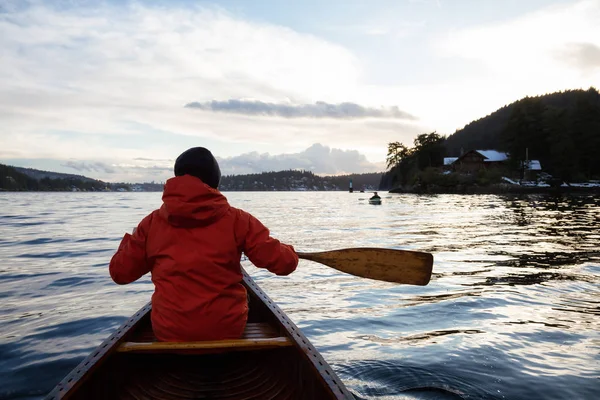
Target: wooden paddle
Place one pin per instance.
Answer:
(400, 266)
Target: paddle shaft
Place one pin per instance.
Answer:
(399, 266)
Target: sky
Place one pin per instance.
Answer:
(116, 90)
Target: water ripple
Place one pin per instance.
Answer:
(385, 379)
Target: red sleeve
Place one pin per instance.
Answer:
(129, 262)
(266, 252)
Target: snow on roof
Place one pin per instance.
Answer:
(449, 160)
(492, 155)
(534, 165)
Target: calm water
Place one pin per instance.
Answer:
(512, 311)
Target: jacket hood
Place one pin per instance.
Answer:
(188, 202)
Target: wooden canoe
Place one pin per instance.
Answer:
(272, 360)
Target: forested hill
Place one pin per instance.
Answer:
(561, 129)
(39, 175)
(27, 179)
(298, 180)
(486, 132)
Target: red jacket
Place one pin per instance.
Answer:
(193, 245)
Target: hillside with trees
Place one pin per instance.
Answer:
(561, 129)
(27, 179)
(406, 164)
(297, 180)
(13, 180)
(40, 174)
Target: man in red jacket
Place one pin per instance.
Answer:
(192, 246)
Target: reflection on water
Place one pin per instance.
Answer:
(511, 311)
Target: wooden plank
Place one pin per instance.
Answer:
(254, 330)
(213, 344)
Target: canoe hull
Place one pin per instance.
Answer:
(132, 365)
(217, 376)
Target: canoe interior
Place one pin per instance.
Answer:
(277, 362)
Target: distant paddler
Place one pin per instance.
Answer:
(375, 199)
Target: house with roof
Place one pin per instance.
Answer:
(476, 160)
(532, 169)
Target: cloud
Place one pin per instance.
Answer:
(525, 48)
(317, 158)
(508, 60)
(104, 71)
(136, 170)
(102, 81)
(388, 25)
(585, 56)
(121, 172)
(438, 3)
(144, 56)
(83, 166)
(319, 109)
(153, 159)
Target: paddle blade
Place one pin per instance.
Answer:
(399, 266)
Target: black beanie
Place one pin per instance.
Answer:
(199, 162)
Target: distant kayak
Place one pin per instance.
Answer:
(375, 199)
